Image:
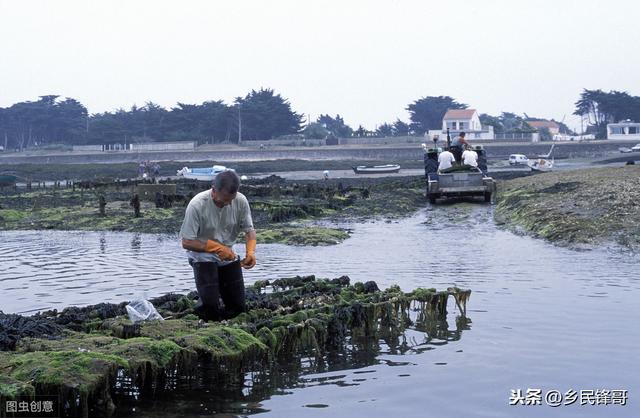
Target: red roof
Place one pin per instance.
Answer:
(459, 114)
(543, 124)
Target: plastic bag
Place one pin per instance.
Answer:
(142, 310)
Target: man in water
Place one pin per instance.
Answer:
(213, 219)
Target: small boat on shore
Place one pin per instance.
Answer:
(203, 173)
(541, 164)
(376, 169)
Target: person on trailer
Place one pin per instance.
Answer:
(445, 161)
(470, 158)
(457, 145)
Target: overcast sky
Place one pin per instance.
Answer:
(366, 60)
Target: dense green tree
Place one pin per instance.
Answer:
(386, 129)
(513, 123)
(427, 113)
(599, 108)
(336, 126)
(361, 132)
(401, 128)
(43, 122)
(210, 122)
(488, 120)
(264, 115)
(108, 127)
(315, 130)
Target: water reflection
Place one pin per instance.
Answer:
(136, 243)
(532, 304)
(103, 243)
(207, 391)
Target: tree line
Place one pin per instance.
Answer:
(261, 115)
(599, 108)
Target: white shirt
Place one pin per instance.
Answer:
(445, 160)
(470, 157)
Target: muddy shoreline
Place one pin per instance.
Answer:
(288, 212)
(586, 207)
(250, 152)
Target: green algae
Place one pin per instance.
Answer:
(283, 211)
(301, 317)
(11, 215)
(83, 372)
(579, 207)
(302, 236)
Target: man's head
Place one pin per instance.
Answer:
(224, 188)
(463, 134)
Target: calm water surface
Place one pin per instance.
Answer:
(542, 317)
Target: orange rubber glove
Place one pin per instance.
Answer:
(225, 253)
(250, 259)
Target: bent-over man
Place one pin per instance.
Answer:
(212, 221)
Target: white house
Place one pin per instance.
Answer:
(463, 120)
(623, 130)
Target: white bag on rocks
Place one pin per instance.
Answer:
(142, 310)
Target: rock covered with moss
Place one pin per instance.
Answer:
(85, 353)
(587, 206)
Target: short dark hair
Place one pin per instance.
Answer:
(462, 134)
(227, 181)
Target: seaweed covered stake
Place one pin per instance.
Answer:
(88, 355)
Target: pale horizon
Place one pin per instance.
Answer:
(364, 60)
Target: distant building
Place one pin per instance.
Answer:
(554, 128)
(462, 120)
(623, 130)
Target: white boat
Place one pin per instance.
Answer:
(541, 164)
(202, 173)
(376, 169)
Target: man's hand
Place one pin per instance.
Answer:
(250, 259)
(222, 251)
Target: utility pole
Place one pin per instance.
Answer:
(239, 125)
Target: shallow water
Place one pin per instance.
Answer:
(542, 316)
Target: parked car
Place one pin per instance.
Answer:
(625, 150)
(515, 159)
(635, 147)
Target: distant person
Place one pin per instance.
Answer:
(458, 144)
(470, 158)
(156, 169)
(212, 222)
(445, 160)
(141, 169)
(325, 174)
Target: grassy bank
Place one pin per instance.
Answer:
(588, 206)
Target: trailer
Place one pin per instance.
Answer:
(459, 180)
(466, 181)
